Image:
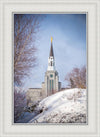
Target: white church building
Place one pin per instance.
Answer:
(51, 82)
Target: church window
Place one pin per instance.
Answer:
(51, 85)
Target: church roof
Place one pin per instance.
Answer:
(51, 51)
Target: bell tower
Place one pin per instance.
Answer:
(51, 83)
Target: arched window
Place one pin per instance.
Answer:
(51, 85)
(51, 63)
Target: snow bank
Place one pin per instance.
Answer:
(68, 106)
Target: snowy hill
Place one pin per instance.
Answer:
(68, 106)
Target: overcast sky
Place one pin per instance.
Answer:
(69, 44)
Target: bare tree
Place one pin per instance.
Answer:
(25, 30)
(19, 103)
(83, 76)
(72, 83)
(77, 78)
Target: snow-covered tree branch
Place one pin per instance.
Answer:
(77, 78)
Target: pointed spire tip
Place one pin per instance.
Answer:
(51, 39)
(51, 49)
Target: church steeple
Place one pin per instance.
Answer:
(51, 49)
(51, 61)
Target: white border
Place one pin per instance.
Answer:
(93, 10)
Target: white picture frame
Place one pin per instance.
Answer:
(92, 7)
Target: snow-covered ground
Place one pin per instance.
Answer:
(68, 106)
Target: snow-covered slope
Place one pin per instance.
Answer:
(68, 106)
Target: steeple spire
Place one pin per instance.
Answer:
(51, 49)
(51, 39)
(51, 60)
